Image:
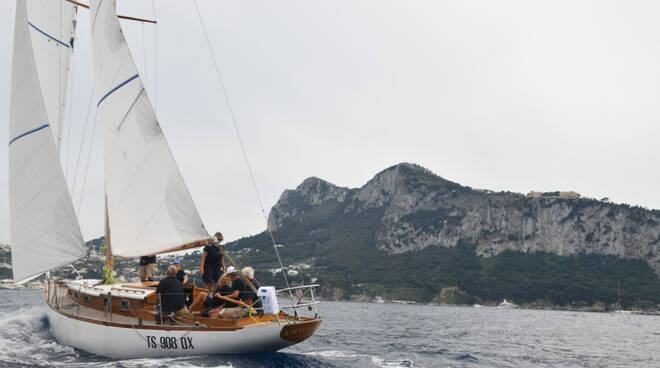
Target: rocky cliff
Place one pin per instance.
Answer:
(418, 209)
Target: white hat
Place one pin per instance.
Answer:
(231, 269)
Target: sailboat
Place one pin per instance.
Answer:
(149, 209)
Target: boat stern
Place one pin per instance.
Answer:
(299, 332)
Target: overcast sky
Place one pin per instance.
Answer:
(502, 95)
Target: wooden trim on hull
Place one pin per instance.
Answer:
(142, 327)
(300, 331)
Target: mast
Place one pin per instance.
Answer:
(109, 264)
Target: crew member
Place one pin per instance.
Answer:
(213, 263)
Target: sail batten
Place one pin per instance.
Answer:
(116, 88)
(149, 206)
(45, 233)
(49, 36)
(28, 133)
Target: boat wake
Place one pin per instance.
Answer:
(27, 342)
(343, 358)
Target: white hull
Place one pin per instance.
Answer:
(127, 342)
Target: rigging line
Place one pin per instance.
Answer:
(82, 140)
(89, 159)
(153, 8)
(67, 123)
(240, 140)
(144, 56)
(59, 91)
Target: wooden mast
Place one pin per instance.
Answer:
(109, 268)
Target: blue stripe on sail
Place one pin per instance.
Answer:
(27, 133)
(49, 36)
(116, 88)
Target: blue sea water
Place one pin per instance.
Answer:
(382, 335)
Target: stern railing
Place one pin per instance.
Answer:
(301, 292)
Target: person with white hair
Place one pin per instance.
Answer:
(239, 293)
(241, 290)
(171, 294)
(249, 294)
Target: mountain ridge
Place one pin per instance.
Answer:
(412, 197)
(544, 249)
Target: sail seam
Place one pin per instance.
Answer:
(47, 35)
(130, 109)
(116, 88)
(40, 191)
(28, 133)
(23, 164)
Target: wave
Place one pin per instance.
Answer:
(393, 363)
(27, 342)
(356, 357)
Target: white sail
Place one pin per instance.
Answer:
(52, 24)
(44, 229)
(149, 206)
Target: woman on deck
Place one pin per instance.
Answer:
(213, 263)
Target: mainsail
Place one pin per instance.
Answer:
(44, 229)
(149, 206)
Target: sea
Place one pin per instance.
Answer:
(382, 335)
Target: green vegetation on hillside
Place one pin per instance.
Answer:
(582, 279)
(341, 248)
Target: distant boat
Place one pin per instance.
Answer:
(379, 300)
(619, 305)
(8, 284)
(506, 304)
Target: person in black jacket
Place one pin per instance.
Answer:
(240, 291)
(210, 300)
(217, 303)
(171, 294)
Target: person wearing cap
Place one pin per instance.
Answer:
(212, 264)
(240, 291)
(237, 290)
(180, 274)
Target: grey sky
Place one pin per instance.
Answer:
(506, 95)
